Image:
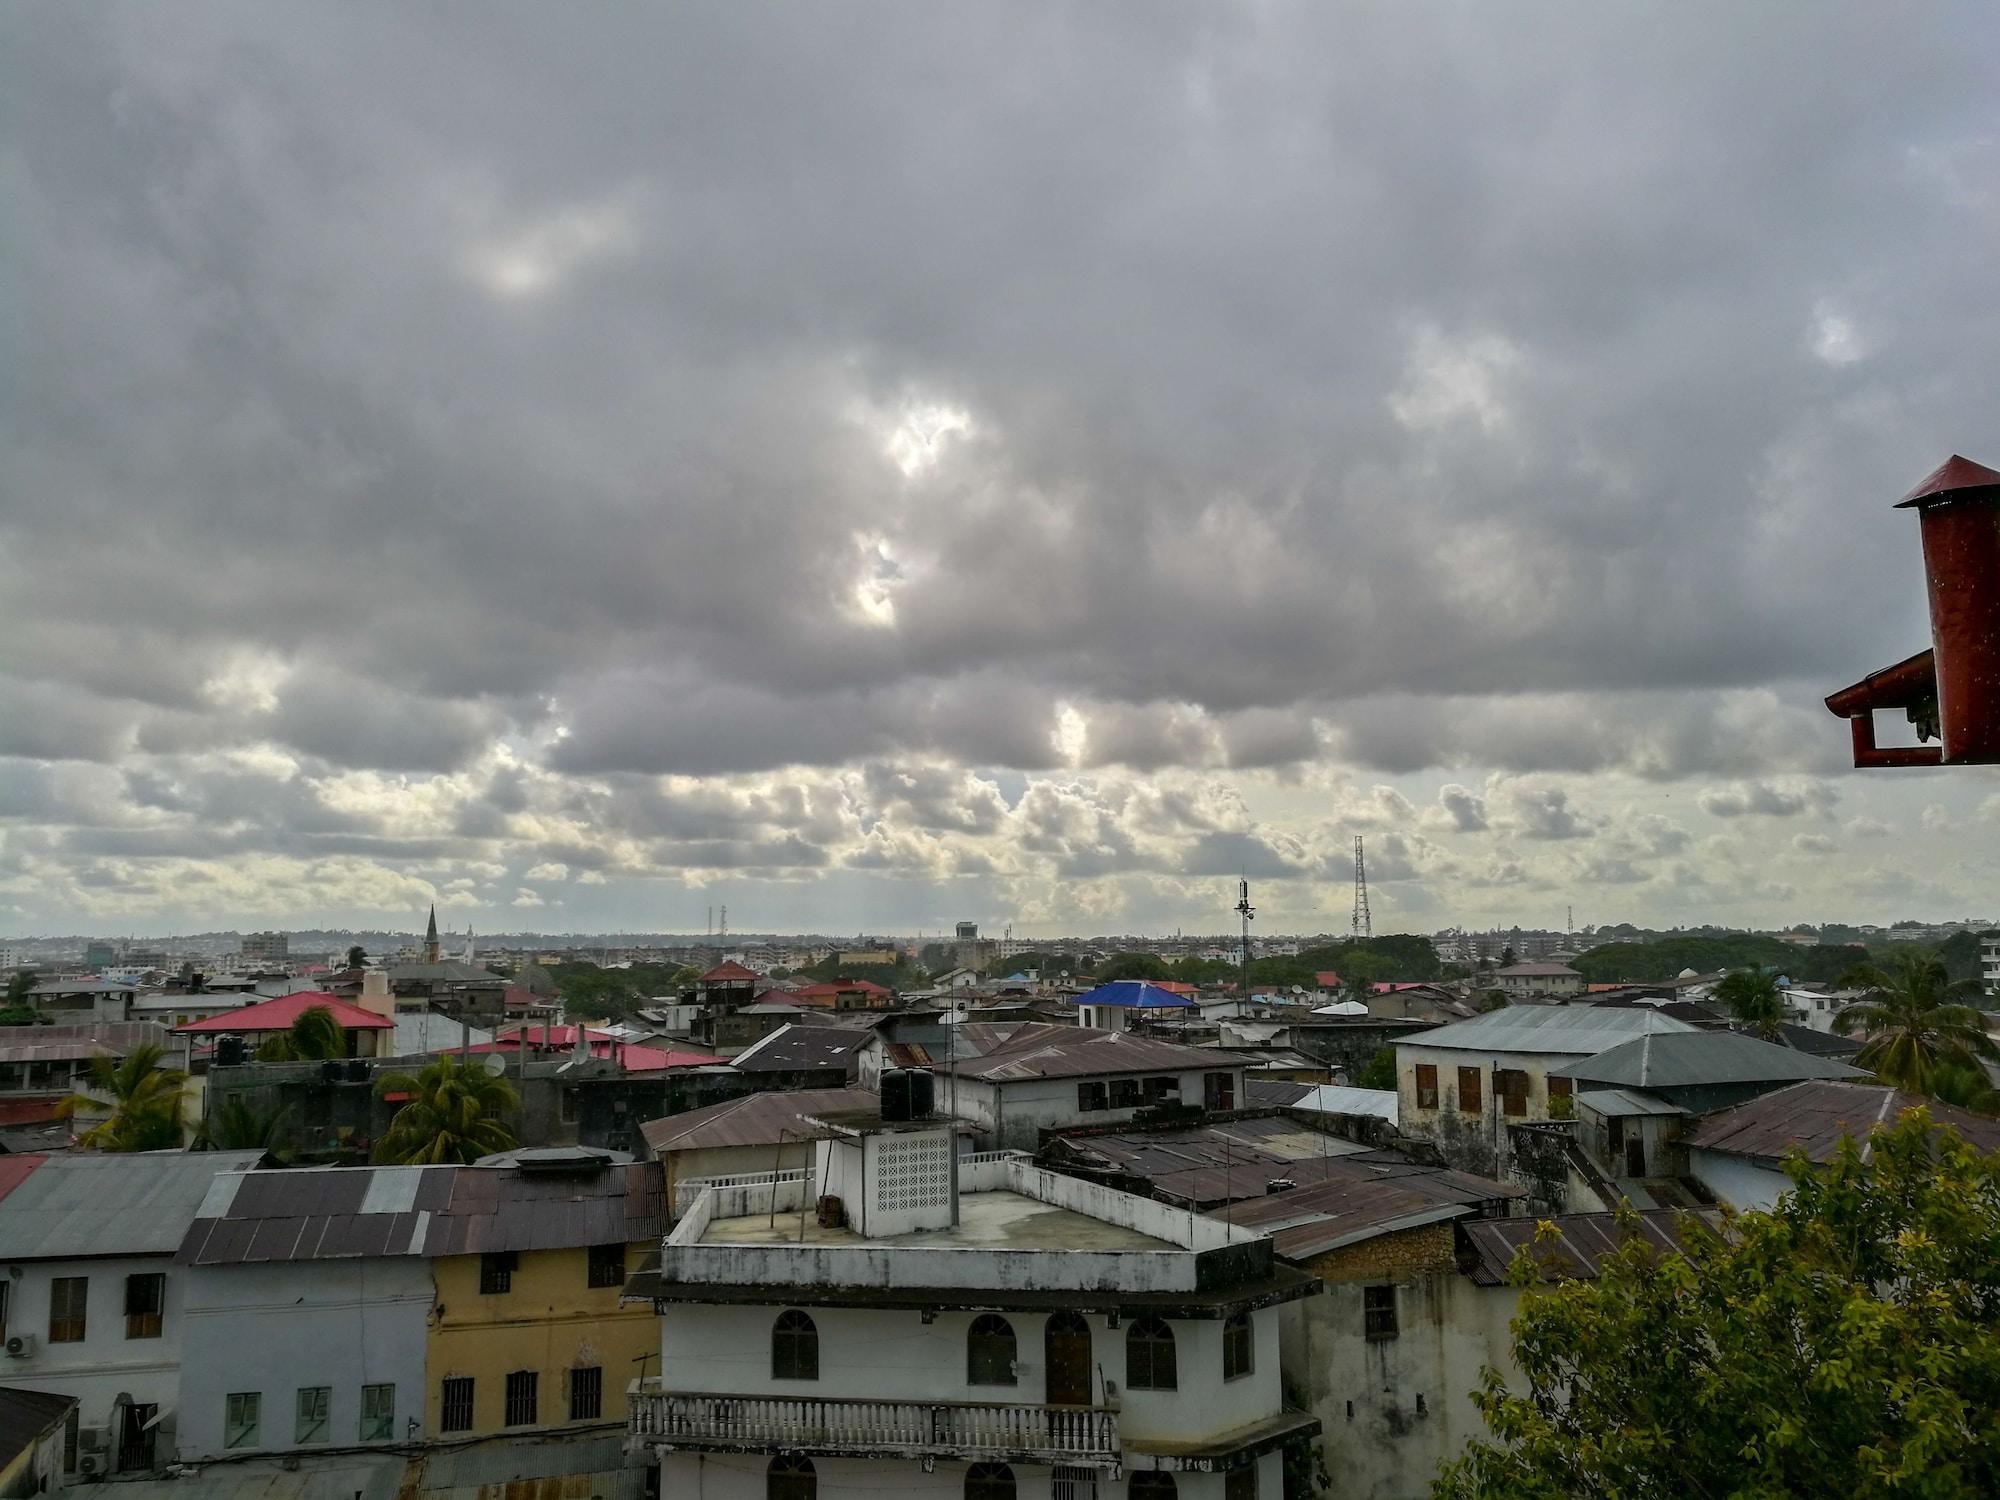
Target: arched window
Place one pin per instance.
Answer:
(989, 1482)
(794, 1349)
(989, 1352)
(1149, 1356)
(1239, 1346)
(793, 1479)
(1151, 1484)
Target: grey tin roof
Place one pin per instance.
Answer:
(337, 1213)
(87, 1203)
(1625, 1102)
(1573, 1030)
(1693, 1058)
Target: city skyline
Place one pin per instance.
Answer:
(1038, 465)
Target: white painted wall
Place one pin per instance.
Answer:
(1737, 1180)
(274, 1328)
(104, 1364)
(1015, 1113)
(893, 1355)
(740, 1476)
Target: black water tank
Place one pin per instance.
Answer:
(230, 1051)
(330, 1071)
(923, 1093)
(357, 1070)
(896, 1094)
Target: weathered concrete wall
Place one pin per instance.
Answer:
(741, 1476)
(1393, 1409)
(1016, 1114)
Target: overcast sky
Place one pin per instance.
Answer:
(874, 466)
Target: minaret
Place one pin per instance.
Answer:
(431, 937)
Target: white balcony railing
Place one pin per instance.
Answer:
(1082, 1435)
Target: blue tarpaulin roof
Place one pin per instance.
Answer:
(1132, 992)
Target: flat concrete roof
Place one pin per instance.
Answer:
(993, 1220)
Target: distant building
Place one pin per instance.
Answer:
(1522, 980)
(1989, 957)
(266, 947)
(98, 955)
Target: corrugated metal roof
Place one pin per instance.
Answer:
(279, 1014)
(1582, 1242)
(754, 1120)
(105, 1203)
(1689, 1059)
(1625, 1102)
(73, 1042)
(334, 1213)
(26, 1417)
(1045, 1050)
(1359, 1197)
(1563, 1030)
(1814, 1116)
(1133, 992)
(794, 1049)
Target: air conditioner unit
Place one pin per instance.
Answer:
(88, 1463)
(21, 1346)
(90, 1439)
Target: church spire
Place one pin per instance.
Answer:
(431, 937)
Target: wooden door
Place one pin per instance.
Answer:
(1066, 1357)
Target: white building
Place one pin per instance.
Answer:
(1039, 1077)
(1521, 980)
(91, 1301)
(1989, 957)
(903, 1321)
(1461, 1085)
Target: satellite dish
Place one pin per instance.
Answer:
(494, 1064)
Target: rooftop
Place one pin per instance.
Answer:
(90, 1203)
(75, 1042)
(279, 1014)
(1134, 992)
(1040, 1049)
(1572, 1030)
(26, 1417)
(1208, 1164)
(341, 1213)
(992, 1220)
(1582, 1241)
(1815, 1116)
(1361, 1196)
(793, 1048)
(754, 1120)
(1690, 1059)
(1537, 971)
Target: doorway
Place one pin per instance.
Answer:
(1066, 1357)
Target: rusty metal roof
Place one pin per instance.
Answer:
(1358, 1197)
(754, 1120)
(74, 1042)
(336, 1213)
(1583, 1240)
(796, 1049)
(1814, 1116)
(1038, 1049)
(1954, 474)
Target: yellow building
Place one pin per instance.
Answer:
(526, 1333)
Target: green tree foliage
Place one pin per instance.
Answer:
(1915, 1021)
(356, 956)
(1959, 954)
(1846, 1344)
(455, 1112)
(614, 994)
(1380, 1072)
(1649, 963)
(145, 1101)
(20, 984)
(313, 1036)
(236, 1125)
(1132, 966)
(1754, 999)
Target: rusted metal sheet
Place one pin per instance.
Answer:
(1813, 1117)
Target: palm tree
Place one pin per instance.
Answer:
(145, 1102)
(1754, 999)
(1919, 1037)
(454, 1113)
(314, 1036)
(237, 1126)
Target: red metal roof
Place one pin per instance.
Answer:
(727, 973)
(1954, 473)
(278, 1015)
(632, 1056)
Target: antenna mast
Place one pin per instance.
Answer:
(1363, 924)
(1247, 911)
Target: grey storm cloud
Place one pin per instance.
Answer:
(662, 392)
